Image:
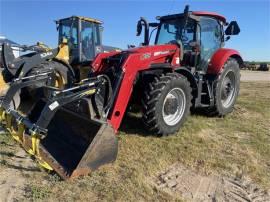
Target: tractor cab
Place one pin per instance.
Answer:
(83, 36)
(198, 34)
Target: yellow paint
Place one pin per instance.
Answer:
(3, 85)
(44, 164)
(8, 121)
(18, 134)
(45, 47)
(63, 53)
(59, 81)
(89, 92)
(90, 19)
(35, 152)
(2, 115)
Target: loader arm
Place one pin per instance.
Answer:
(139, 60)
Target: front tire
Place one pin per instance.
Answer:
(62, 78)
(226, 89)
(166, 103)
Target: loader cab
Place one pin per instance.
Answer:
(83, 36)
(198, 34)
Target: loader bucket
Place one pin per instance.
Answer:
(79, 145)
(74, 145)
(63, 139)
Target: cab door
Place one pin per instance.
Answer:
(210, 40)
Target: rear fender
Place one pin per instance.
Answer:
(220, 57)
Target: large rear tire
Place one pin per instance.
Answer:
(226, 89)
(166, 103)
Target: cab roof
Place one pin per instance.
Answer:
(196, 13)
(210, 14)
(83, 18)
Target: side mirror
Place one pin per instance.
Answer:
(143, 22)
(139, 28)
(232, 29)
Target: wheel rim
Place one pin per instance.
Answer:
(59, 80)
(228, 89)
(174, 106)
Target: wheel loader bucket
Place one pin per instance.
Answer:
(63, 139)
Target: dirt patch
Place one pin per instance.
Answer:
(13, 175)
(188, 185)
(255, 76)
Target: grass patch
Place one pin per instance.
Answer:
(39, 192)
(235, 145)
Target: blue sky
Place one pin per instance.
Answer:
(27, 22)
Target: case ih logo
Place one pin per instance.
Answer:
(145, 56)
(161, 53)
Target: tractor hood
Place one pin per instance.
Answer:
(153, 48)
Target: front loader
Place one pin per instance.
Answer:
(72, 130)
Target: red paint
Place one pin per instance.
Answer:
(140, 59)
(210, 14)
(99, 59)
(219, 58)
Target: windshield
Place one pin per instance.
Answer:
(173, 30)
(68, 30)
(88, 35)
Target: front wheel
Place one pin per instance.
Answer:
(226, 88)
(166, 103)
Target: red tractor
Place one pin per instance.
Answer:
(186, 68)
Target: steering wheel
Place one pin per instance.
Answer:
(184, 38)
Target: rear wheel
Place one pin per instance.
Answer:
(166, 103)
(226, 89)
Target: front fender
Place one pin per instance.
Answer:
(220, 57)
(35, 60)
